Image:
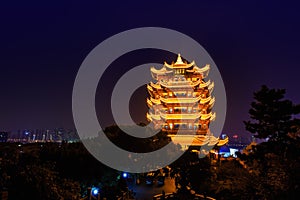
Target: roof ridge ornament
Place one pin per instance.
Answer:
(179, 63)
(179, 60)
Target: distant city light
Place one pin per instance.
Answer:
(95, 191)
(233, 152)
(223, 136)
(125, 175)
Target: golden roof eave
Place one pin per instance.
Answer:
(198, 140)
(160, 71)
(188, 116)
(211, 87)
(180, 116)
(195, 140)
(155, 101)
(205, 84)
(180, 84)
(223, 142)
(180, 100)
(181, 66)
(151, 116)
(154, 85)
(196, 69)
(186, 100)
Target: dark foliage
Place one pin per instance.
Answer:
(272, 115)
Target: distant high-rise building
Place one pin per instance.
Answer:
(3, 136)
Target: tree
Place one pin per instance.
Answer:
(275, 163)
(192, 174)
(234, 181)
(272, 115)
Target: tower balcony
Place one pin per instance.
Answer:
(177, 100)
(186, 100)
(194, 140)
(186, 131)
(180, 84)
(180, 116)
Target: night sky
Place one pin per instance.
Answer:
(43, 44)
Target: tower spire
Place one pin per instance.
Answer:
(179, 60)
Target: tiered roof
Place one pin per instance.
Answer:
(179, 86)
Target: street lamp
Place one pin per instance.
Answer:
(125, 175)
(93, 193)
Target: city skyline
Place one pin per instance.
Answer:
(43, 45)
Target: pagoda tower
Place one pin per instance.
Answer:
(181, 102)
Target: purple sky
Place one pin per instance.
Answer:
(44, 42)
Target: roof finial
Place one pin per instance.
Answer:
(179, 60)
